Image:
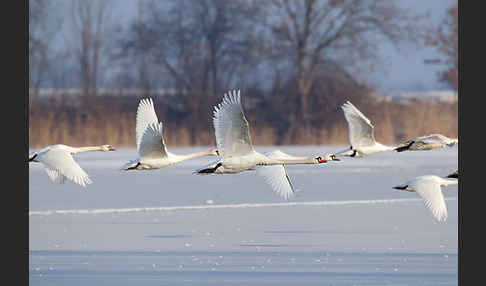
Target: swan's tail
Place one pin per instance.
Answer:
(131, 165)
(210, 169)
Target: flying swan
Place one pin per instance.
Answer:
(429, 189)
(150, 142)
(427, 142)
(60, 165)
(361, 136)
(237, 154)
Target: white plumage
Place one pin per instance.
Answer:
(237, 154)
(60, 165)
(231, 127)
(151, 147)
(361, 134)
(429, 189)
(427, 142)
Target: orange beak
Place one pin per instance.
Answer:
(336, 159)
(322, 161)
(112, 149)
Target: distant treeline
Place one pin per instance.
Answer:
(187, 119)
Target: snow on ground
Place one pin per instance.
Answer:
(347, 226)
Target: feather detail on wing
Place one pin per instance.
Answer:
(431, 193)
(55, 175)
(276, 176)
(231, 127)
(279, 155)
(62, 162)
(145, 116)
(360, 127)
(152, 144)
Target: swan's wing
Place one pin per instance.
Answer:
(360, 127)
(276, 176)
(430, 192)
(434, 139)
(64, 165)
(145, 117)
(231, 127)
(55, 175)
(152, 144)
(279, 155)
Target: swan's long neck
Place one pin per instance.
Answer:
(293, 161)
(86, 149)
(447, 182)
(296, 161)
(179, 158)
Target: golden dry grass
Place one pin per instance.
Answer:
(393, 123)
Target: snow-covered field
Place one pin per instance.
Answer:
(347, 226)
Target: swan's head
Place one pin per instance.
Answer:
(214, 152)
(333, 157)
(107, 148)
(327, 157)
(320, 160)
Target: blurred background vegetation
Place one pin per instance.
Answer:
(295, 62)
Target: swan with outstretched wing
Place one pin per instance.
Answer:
(361, 134)
(151, 147)
(60, 165)
(427, 142)
(237, 153)
(429, 189)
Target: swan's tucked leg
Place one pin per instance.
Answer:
(32, 158)
(132, 165)
(404, 148)
(349, 152)
(454, 175)
(211, 169)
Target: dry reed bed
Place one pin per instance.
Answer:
(107, 123)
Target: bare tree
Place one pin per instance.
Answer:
(312, 34)
(43, 26)
(91, 24)
(203, 46)
(445, 37)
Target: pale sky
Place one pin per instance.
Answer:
(402, 70)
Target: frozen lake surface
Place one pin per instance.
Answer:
(346, 226)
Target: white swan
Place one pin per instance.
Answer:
(237, 154)
(361, 136)
(429, 189)
(427, 142)
(150, 142)
(60, 165)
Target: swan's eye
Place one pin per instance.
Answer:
(320, 160)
